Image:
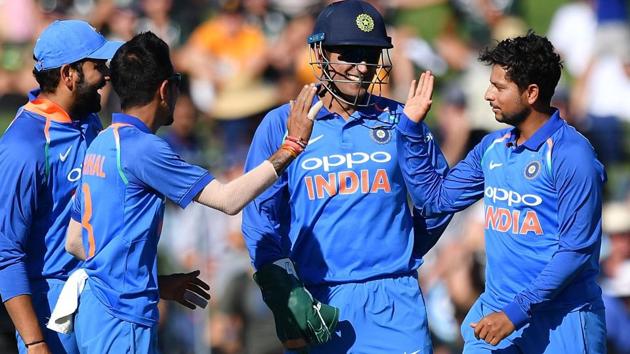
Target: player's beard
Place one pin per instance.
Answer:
(515, 119)
(88, 100)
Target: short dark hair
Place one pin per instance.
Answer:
(527, 60)
(48, 80)
(138, 69)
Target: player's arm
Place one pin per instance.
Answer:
(578, 180)
(20, 309)
(233, 196)
(74, 241)
(21, 180)
(427, 231)
(74, 233)
(433, 191)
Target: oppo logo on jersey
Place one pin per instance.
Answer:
(513, 198)
(348, 160)
(518, 222)
(348, 181)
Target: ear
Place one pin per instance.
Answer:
(163, 91)
(531, 93)
(66, 77)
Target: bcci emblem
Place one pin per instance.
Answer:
(365, 23)
(532, 170)
(380, 135)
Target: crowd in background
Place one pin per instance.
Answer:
(242, 57)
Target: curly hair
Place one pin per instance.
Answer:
(527, 60)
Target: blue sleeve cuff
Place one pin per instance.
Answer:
(514, 312)
(408, 127)
(14, 281)
(195, 189)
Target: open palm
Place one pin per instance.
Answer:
(419, 97)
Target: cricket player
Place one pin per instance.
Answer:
(40, 166)
(337, 224)
(541, 185)
(128, 172)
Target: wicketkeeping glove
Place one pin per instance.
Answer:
(296, 313)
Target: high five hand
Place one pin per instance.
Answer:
(419, 97)
(302, 114)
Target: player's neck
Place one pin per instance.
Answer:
(531, 124)
(147, 114)
(66, 102)
(335, 105)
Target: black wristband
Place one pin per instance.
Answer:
(34, 342)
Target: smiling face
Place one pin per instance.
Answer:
(351, 69)
(509, 103)
(92, 76)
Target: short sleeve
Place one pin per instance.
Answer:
(155, 164)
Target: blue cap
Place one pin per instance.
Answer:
(68, 41)
(350, 22)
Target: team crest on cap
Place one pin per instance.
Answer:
(532, 170)
(381, 135)
(365, 23)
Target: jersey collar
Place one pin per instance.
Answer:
(543, 133)
(362, 112)
(48, 109)
(32, 94)
(131, 120)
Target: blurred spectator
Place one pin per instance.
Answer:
(157, 20)
(123, 24)
(572, 32)
(20, 23)
(227, 54)
(452, 277)
(250, 321)
(599, 94)
(289, 61)
(182, 134)
(225, 58)
(481, 22)
(616, 275)
(616, 226)
(617, 302)
(294, 8)
(260, 14)
(453, 124)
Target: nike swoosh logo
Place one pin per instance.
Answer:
(493, 166)
(416, 352)
(64, 156)
(315, 139)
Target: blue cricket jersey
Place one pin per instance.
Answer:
(127, 173)
(40, 166)
(340, 210)
(542, 202)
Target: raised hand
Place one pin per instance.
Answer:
(185, 288)
(419, 97)
(302, 115)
